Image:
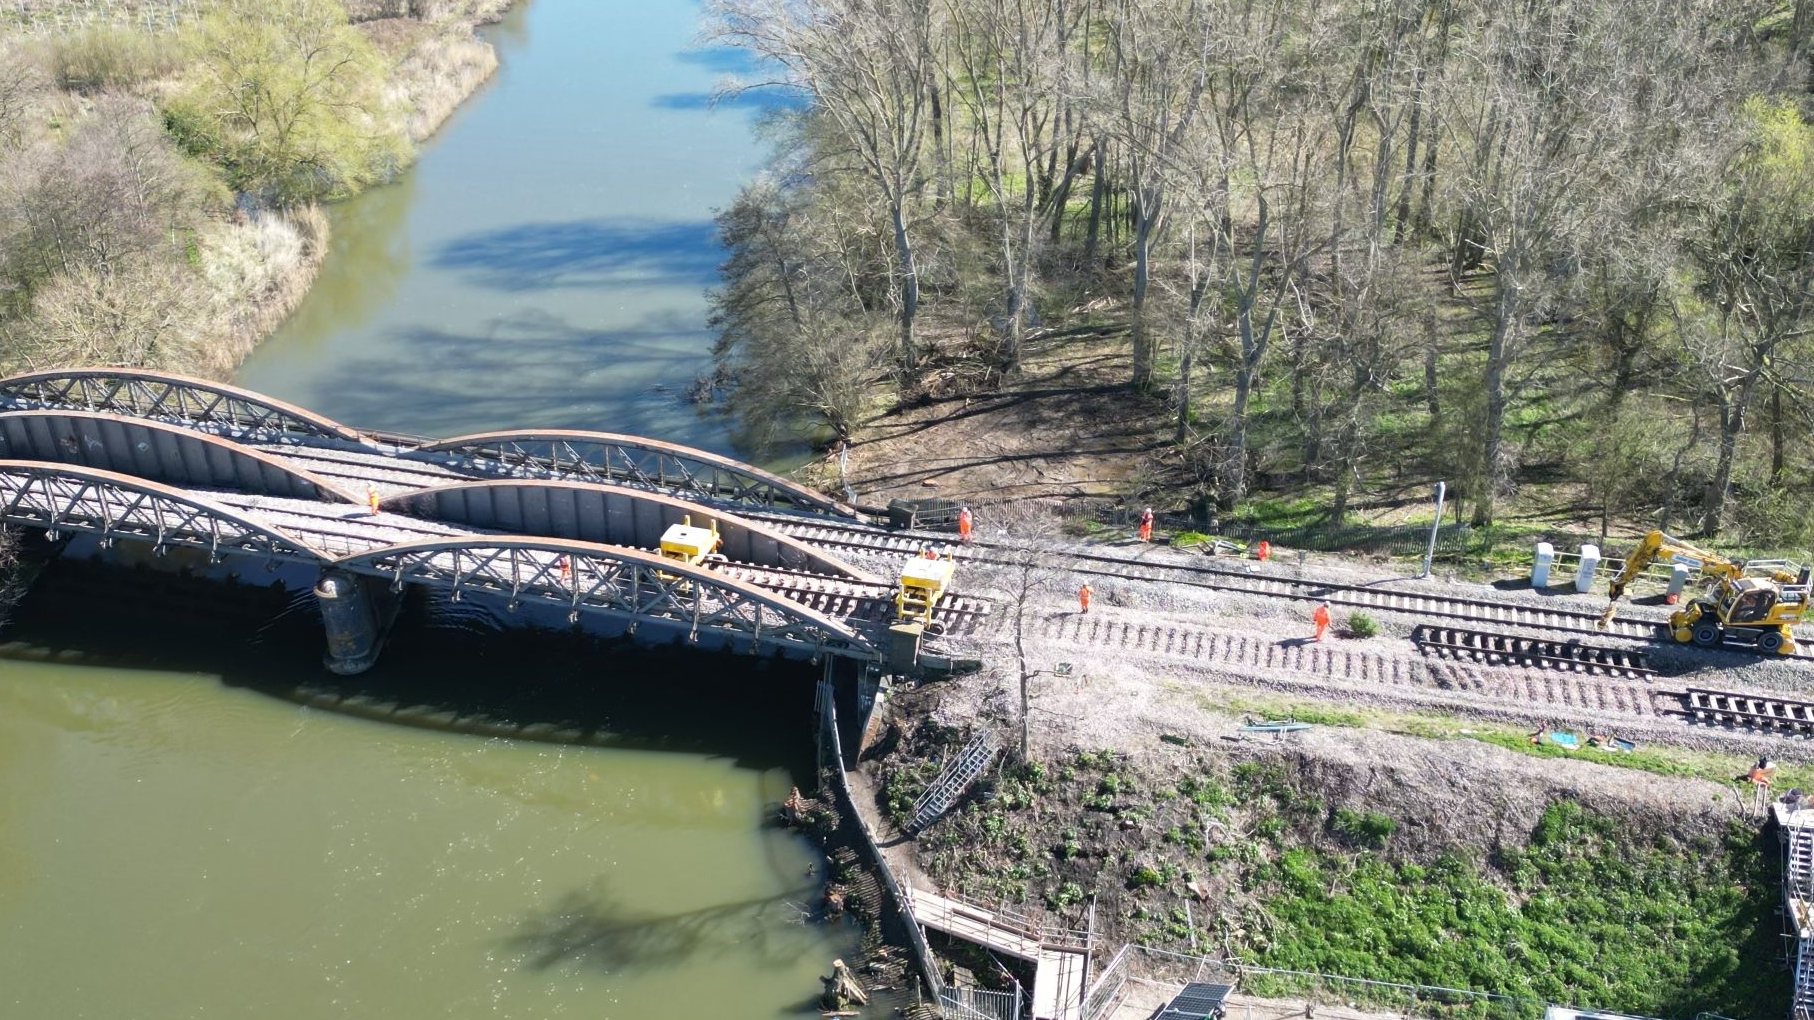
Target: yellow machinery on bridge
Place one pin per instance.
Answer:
(690, 545)
(923, 581)
(1758, 601)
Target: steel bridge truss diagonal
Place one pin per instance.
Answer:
(161, 396)
(622, 582)
(71, 498)
(631, 460)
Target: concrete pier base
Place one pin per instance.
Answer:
(351, 622)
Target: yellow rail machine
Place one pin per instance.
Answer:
(923, 580)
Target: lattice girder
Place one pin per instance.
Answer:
(59, 497)
(614, 580)
(162, 396)
(632, 460)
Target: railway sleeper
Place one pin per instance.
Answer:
(1512, 649)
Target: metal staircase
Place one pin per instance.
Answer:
(953, 781)
(1798, 888)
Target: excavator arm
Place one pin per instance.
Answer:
(1658, 546)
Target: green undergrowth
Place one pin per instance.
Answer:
(1300, 864)
(1583, 914)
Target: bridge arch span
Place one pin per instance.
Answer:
(71, 497)
(614, 580)
(575, 455)
(609, 515)
(157, 451)
(163, 396)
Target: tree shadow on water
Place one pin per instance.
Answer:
(586, 253)
(530, 369)
(592, 929)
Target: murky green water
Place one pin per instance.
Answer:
(177, 839)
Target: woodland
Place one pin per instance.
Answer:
(1557, 252)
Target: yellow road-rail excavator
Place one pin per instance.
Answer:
(1754, 601)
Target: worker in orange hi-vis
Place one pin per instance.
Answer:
(964, 521)
(371, 499)
(566, 571)
(1760, 776)
(1083, 596)
(1146, 525)
(1321, 619)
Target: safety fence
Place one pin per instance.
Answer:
(1142, 977)
(963, 1003)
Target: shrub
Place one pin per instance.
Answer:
(1363, 828)
(108, 56)
(1361, 625)
(1145, 876)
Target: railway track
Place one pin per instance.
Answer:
(1344, 667)
(1493, 648)
(878, 541)
(1769, 713)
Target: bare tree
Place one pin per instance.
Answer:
(1031, 573)
(866, 65)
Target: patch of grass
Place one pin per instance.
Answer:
(1584, 913)
(1662, 761)
(1286, 512)
(1369, 829)
(1361, 625)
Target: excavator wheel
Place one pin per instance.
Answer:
(1770, 642)
(1707, 634)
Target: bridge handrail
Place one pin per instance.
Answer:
(131, 391)
(661, 572)
(35, 469)
(508, 447)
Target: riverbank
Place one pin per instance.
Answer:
(160, 262)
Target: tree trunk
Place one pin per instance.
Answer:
(1431, 395)
(1505, 322)
(910, 288)
(1098, 195)
(1145, 222)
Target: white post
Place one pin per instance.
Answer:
(1540, 564)
(1584, 575)
(1442, 488)
(1678, 578)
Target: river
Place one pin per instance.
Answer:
(185, 833)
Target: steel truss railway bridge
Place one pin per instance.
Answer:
(569, 519)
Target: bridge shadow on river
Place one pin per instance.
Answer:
(465, 667)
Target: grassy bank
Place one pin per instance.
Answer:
(1605, 901)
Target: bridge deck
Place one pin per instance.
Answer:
(343, 530)
(1058, 970)
(122, 453)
